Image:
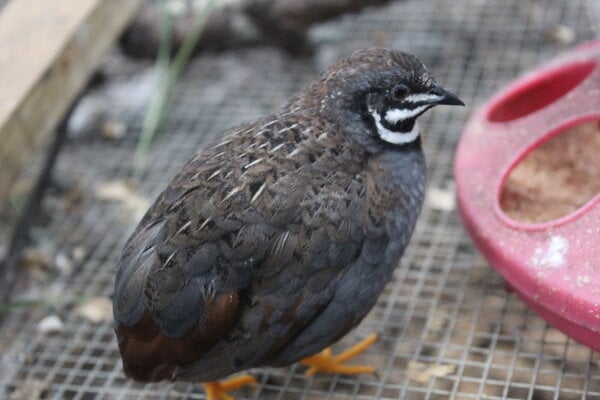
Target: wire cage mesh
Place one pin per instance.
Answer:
(448, 328)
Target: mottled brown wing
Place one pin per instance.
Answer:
(236, 256)
(293, 284)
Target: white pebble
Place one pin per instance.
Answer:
(50, 324)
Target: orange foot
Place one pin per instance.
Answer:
(325, 362)
(218, 390)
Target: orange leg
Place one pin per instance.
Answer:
(218, 390)
(327, 363)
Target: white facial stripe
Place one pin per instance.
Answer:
(394, 137)
(419, 97)
(397, 114)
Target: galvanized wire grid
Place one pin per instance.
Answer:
(445, 308)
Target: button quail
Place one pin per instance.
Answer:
(274, 241)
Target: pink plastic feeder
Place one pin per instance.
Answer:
(553, 265)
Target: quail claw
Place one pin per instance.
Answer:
(327, 363)
(218, 390)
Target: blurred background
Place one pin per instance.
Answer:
(448, 328)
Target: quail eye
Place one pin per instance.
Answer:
(398, 92)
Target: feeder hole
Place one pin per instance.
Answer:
(541, 92)
(555, 178)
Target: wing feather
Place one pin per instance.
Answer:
(236, 257)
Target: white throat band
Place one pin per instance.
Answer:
(394, 137)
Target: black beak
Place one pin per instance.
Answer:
(445, 97)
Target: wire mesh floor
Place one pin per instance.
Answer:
(447, 327)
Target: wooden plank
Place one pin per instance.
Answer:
(48, 50)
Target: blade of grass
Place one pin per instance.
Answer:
(168, 74)
(45, 302)
(156, 106)
(190, 42)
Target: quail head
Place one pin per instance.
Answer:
(274, 241)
